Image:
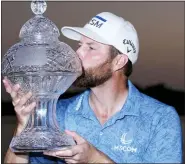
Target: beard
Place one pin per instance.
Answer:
(96, 76)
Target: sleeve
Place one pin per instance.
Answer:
(40, 158)
(165, 145)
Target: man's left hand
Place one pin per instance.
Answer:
(83, 152)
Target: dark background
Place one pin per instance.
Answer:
(159, 72)
(166, 95)
(160, 27)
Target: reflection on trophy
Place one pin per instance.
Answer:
(40, 63)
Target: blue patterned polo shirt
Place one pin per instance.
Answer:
(143, 131)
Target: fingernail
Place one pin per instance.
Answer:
(34, 104)
(30, 93)
(17, 86)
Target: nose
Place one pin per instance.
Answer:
(81, 52)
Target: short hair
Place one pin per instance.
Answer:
(127, 69)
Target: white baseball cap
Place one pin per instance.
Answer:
(110, 29)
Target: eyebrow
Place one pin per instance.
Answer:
(89, 43)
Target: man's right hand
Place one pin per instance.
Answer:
(19, 100)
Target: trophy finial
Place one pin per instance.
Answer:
(38, 7)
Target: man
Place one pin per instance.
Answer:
(112, 122)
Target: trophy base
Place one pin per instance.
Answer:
(36, 140)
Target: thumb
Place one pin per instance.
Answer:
(75, 136)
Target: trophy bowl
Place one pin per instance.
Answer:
(40, 63)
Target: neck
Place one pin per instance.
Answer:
(108, 98)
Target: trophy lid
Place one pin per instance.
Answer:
(39, 26)
(39, 49)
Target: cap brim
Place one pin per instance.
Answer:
(75, 33)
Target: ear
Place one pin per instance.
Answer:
(119, 62)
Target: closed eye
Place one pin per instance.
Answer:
(79, 45)
(91, 48)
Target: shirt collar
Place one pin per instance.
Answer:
(84, 108)
(131, 106)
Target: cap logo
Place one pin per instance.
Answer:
(128, 50)
(100, 18)
(129, 42)
(97, 23)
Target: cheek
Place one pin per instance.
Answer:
(94, 57)
(91, 60)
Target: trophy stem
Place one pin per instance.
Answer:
(44, 114)
(42, 131)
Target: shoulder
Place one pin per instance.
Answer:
(146, 105)
(158, 110)
(165, 139)
(151, 102)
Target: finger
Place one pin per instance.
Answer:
(61, 153)
(24, 99)
(17, 98)
(7, 85)
(28, 109)
(77, 157)
(5, 79)
(14, 92)
(71, 161)
(75, 136)
(50, 153)
(65, 153)
(8, 81)
(15, 101)
(74, 150)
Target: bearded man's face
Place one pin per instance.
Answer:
(92, 77)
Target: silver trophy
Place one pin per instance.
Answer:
(42, 64)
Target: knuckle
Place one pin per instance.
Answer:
(13, 95)
(29, 94)
(26, 97)
(15, 87)
(70, 152)
(17, 109)
(13, 103)
(29, 109)
(23, 100)
(77, 157)
(23, 111)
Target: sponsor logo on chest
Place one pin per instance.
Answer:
(125, 145)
